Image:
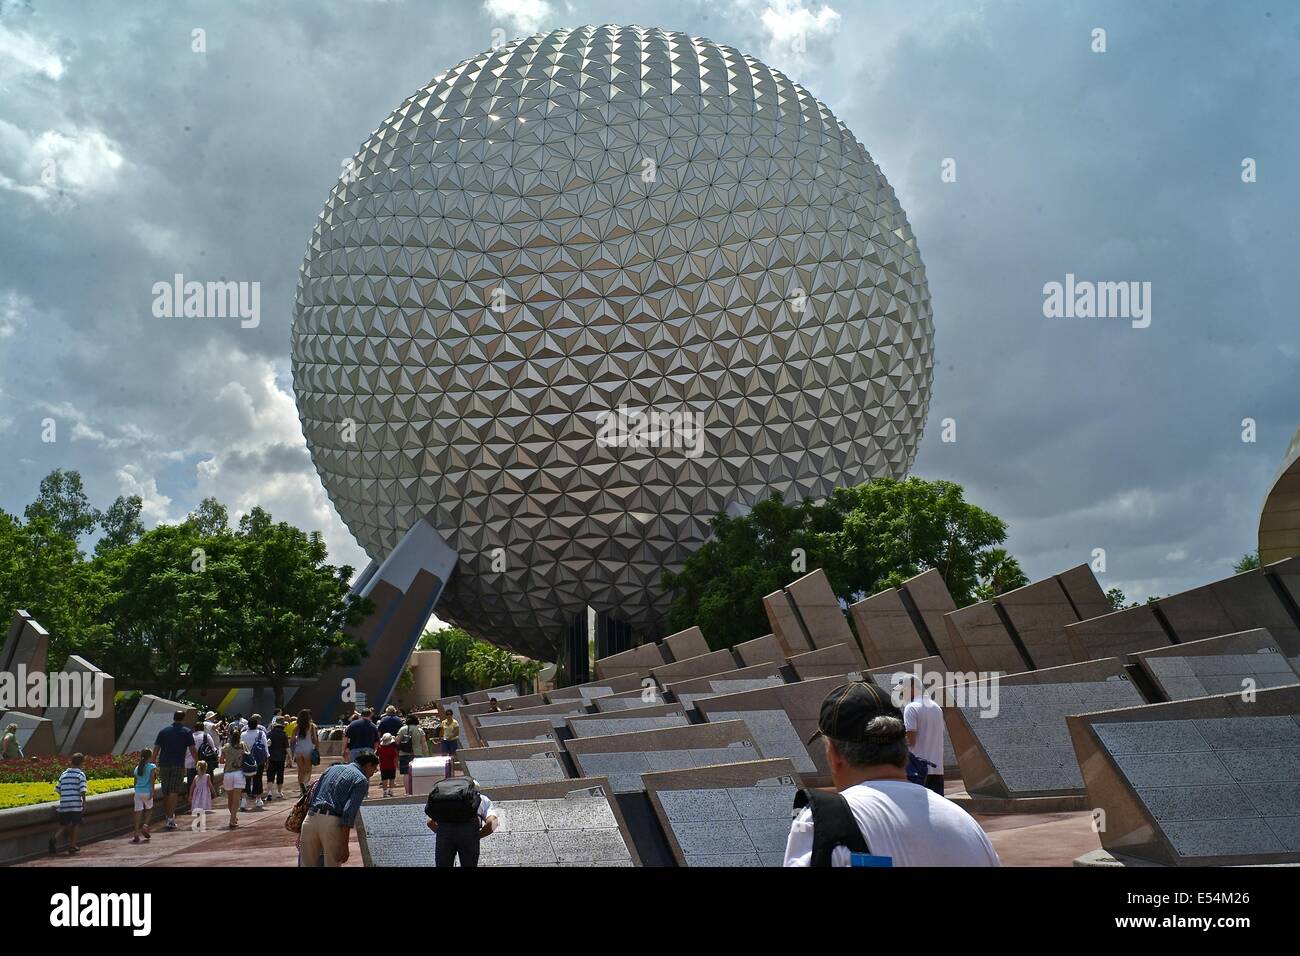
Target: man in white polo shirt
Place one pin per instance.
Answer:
(923, 721)
(877, 817)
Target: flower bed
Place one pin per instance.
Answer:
(28, 793)
(47, 769)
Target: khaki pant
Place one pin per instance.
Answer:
(322, 835)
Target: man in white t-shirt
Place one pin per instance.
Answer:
(923, 721)
(877, 817)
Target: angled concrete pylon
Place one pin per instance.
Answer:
(404, 589)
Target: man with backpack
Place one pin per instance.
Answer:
(877, 817)
(259, 749)
(205, 748)
(461, 817)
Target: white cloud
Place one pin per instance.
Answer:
(155, 506)
(1179, 554)
(22, 54)
(54, 164)
(525, 16)
(13, 313)
(796, 38)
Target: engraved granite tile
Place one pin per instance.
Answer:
(758, 802)
(516, 848)
(507, 743)
(1169, 667)
(598, 765)
(670, 759)
(1151, 737)
(774, 734)
(1274, 799)
(492, 772)
(1287, 831)
(538, 770)
(698, 805)
(768, 834)
(1173, 770)
(736, 686)
(712, 756)
(710, 838)
(628, 703)
(617, 863)
(1034, 757)
(588, 845)
(1194, 838)
(1183, 688)
(1262, 766)
(576, 813)
(1249, 733)
(627, 725)
(414, 848)
(393, 820)
(517, 815)
(1042, 778)
(624, 782)
(725, 859)
(1195, 803)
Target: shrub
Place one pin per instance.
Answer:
(27, 794)
(47, 769)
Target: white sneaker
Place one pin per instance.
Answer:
(257, 805)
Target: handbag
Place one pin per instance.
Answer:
(293, 822)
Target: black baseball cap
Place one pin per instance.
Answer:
(849, 708)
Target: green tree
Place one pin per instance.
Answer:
(210, 517)
(1248, 562)
(999, 573)
(491, 666)
(164, 608)
(1118, 600)
(285, 610)
(42, 572)
(62, 500)
(722, 583)
(454, 644)
(867, 537)
(121, 524)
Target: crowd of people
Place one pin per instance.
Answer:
(887, 807)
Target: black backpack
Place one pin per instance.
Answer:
(455, 800)
(207, 752)
(833, 825)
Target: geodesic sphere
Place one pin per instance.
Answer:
(583, 220)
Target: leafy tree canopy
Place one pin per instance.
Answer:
(867, 537)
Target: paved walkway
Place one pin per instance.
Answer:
(1021, 839)
(261, 840)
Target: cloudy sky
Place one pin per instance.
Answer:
(127, 156)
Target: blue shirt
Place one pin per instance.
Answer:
(143, 784)
(342, 788)
(173, 744)
(391, 724)
(361, 733)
